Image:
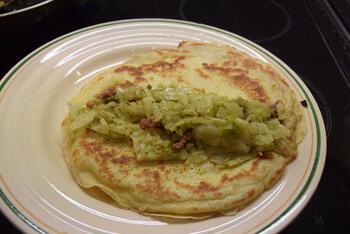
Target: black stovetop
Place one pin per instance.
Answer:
(289, 29)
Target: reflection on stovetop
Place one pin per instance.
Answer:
(236, 16)
(332, 19)
(283, 27)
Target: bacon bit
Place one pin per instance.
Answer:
(265, 155)
(149, 123)
(273, 106)
(107, 93)
(304, 103)
(178, 145)
(90, 105)
(187, 136)
(149, 86)
(181, 44)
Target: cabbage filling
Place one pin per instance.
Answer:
(178, 123)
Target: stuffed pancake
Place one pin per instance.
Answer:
(186, 133)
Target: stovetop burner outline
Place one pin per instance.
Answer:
(323, 105)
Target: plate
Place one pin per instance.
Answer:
(38, 193)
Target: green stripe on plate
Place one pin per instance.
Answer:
(19, 214)
(34, 53)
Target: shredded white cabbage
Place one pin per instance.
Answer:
(236, 128)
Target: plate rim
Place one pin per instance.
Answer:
(39, 4)
(318, 162)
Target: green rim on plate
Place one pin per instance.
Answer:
(49, 44)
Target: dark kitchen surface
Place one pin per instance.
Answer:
(286, 28)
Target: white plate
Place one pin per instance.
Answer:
(38, 193)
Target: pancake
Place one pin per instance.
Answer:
(179, 187)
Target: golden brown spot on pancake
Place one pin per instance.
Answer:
(126, 84)
(131, 70)
(171, 50)
(200, 189)
(124, 170)
(243, 173)
(98, 146)
(159, 52)
(75, 152)
(251, 87)
(251, 193)
(235, 54)
(163, 67)
(224, 178)
(89, 147)
(235, 177)
(224, 71)
(103, 164)
(239, 70)
(139, 80)
(250, 64)
(180, 79)
(100, 78)
(270, 72)
(284, 82)
(202, 74)
(104, 156)
(255, 165)
(152, 184)
(277, 174)
(230, 62)
(157, 67)
(196, 44)
(121, 160)
(205, 187)
(100, 156)
(107, 154)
